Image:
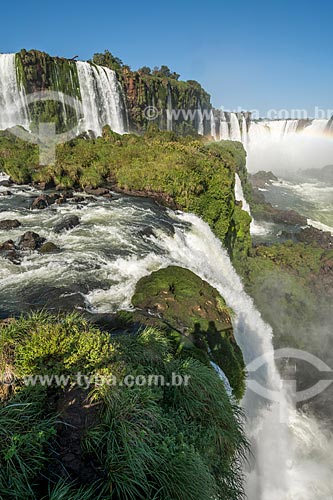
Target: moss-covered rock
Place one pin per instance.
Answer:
(196, 316)
(38, 71)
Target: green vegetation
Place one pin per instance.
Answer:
(140, 442)
(37, 72)
(181, 171)
(195, 315)
(291, 285)
(154, 87)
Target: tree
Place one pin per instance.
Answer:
(145, 70)
(107, 59)
(165, 72)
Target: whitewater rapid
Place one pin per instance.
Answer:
(105, 257)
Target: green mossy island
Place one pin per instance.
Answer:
(195, 315)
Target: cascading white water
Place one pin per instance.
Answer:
(293, 460)
(258, 133)
(244, 131)
(223, 377)
(224, 128)
(255, 227)
(169, 111)
(13, 108)
(317, 127)
(101, 98)
(200, 120)
(239, 195)
(212, 125)
(235, 131)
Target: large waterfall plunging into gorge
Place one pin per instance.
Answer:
(239, 127)
(293, 459)
(283, 146)
(102, 98)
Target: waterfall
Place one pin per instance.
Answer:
(13, 108)
(239, 195)
(169, 111)
(102, 101)
(200, 120)
(235, 131)
(317, 127)
(244, 130)
(258, 132)
(293, 460)
(224, 128)
(102, 97)
(212, 125)
(256, 228)
(279, 130)
(223, 377)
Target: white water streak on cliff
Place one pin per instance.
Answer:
(13, 108)
(102, 100)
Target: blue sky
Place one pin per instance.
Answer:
(254, 55)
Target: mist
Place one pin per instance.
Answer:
(291, 155)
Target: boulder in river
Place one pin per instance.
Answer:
(9, 224)
(40, 202)
(8, 250)
(6, 193)
(30, 241)
(67, 223)
(98, 191)
(49, 247)
(6, 183)
(45, 185)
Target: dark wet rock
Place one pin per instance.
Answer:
(79, 199)
(49, 247)
(324, 174)
(290, 217)
(6, 193)
(7, 183)
(45, 201)
(8, 224)
(60, 201)
(9, 251)
(266, 212)
(312, 235)
(40, 202)
(30, 241)
(168, 228)
(45, 185)
(97, 191)
(52, 298)
(67, 223)
(53, 198)
(67, 194)
(261, 179)
(146, 232)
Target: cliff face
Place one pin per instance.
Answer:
(171, 102)
(37, 72)
(148, 97)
